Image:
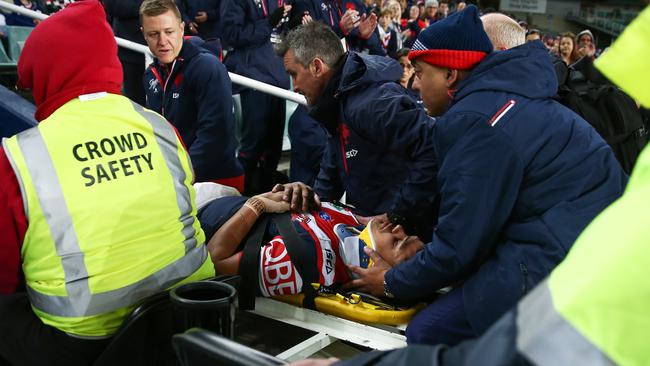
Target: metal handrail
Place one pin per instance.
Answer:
(235, 78)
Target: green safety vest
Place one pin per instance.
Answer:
(595, 307)
(107, 191)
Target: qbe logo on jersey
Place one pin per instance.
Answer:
(278, 276)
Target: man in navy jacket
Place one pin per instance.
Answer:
(191, 88)
(520, 177)
(246, 27)
(379, 149)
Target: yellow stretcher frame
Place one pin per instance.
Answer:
(355, 309)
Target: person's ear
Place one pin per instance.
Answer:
(452, 78)
(182, 28)
(317, 67)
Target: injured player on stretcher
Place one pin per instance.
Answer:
(331, 237)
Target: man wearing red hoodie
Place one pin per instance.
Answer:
(96, 204)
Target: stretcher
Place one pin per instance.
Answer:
(356, 307)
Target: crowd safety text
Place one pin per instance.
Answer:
(117, 147)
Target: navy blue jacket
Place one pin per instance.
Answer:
(196, 98)
(246, 34)
(126, 24)
(520, 177)
(379, 150)
(308, 141)
(210, 28)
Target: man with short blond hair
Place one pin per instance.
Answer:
(190, 87)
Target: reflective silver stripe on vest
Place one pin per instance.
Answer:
(166, 139)
(18, 177)
(104, 302)
(546, 338)
(80, 301)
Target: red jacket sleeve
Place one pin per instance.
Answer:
(13, 225)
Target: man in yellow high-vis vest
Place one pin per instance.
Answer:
(108, 214)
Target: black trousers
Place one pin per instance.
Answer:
(25, 340)
(133, 87)
(263, 118)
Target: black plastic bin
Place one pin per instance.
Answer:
(205, 304)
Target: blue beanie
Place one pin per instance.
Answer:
(456, 42)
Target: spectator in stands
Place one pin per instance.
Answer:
(533, 35)
(503, 31)
(568, 51)
(443, 9)
(21, 20)
(430, 12)
(246, 33)
(555, 47)
(524, 25)
(408, 74)
(396, 11)
(515, 191)
(460, 6)
(404, 5)
(190, 87)
(126, 24)
(386, 35)
(85, 198)
(378, 152)
(586, 44)
(411, 27)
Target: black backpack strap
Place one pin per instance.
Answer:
(249, 265)
(299, 257)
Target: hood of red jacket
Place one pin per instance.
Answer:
(69, 54)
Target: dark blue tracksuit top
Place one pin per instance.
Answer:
(520, 177)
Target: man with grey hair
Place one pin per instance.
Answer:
(379, 149)
(504, 32)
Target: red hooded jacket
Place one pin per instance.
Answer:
(72, 53)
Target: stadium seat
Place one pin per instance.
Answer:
(17, 36)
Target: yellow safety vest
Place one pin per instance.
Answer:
(107, 191)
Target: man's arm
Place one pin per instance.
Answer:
(328, 185)
(224, 242)
(394, 121)
(237, 30)
(215, 124)
(479, 184)
(13, 225)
